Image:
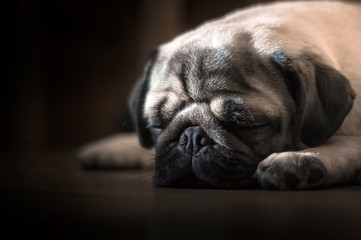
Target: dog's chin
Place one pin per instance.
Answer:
(213, 166)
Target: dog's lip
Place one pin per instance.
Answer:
(236, 170)
(233, 172)
(241, 155)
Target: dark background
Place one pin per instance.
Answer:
(70, 65)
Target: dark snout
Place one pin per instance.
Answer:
(194, 160)
(193, 139)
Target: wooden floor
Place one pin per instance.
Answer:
(46, 196)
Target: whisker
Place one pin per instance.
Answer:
(146, 177)
(138, 149)
(149, 160)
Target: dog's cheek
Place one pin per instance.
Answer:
(263, 142)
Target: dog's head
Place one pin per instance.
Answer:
(215, 110)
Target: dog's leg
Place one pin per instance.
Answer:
(338, 161)
(116, 151)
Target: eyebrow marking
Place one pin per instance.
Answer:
(159, 108)
(180, 109)
(225, 91)
(183, 77)
(201, 72)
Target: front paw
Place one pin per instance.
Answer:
(119, 151)
(291, 170)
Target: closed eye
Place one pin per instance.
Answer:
(155, 127)
(155, 130)
(256, 126)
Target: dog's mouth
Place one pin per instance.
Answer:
(195, 161)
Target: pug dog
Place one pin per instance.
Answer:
(265, 96)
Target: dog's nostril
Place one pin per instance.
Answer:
(183, 140)
(203, 141)
(193, 139)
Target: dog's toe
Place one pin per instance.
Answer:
(86, 161)
(290, 179)
(291, 170)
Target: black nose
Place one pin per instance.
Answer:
(194, 139)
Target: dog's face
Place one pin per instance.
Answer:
(215, 110)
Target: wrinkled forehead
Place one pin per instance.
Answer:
(201, 72)
(200, 68)
(203, 75)
(198, 72)
(198, 52)
(194, 75)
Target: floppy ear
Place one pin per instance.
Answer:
(137, 99)
(322, 95)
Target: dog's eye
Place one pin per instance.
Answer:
(255, 126)
(155, 129)
(237, 117)
(239, 120)
(235, 113)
